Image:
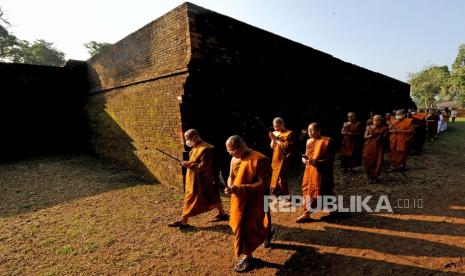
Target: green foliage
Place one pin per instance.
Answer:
(94, 47)
(454, 88)
(437, 83)
(8, 42)
(40, 52)
(16, 50)
(426, 85)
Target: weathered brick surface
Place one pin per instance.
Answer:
(136, 87)
(129, 123)
(159, 48)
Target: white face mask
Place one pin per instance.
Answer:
(399, 117)
(190, 143)
(413, 112)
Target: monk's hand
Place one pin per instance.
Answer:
(272, 137)
(231, 189)
(304, 159)
(185, 164)
(372, 126)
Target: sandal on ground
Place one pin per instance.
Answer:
(244, 265)
(223, 217)
(268, 238)
(178, 224)
(304, 218)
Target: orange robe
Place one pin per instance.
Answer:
(419, 134)
(445, 117)
(400, 141)
(280, 163)
(350, 148)
(248, 220)
(201, 190)
(373, 151)
(319, 178)
(432, 124)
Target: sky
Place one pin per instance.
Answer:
(392, 37)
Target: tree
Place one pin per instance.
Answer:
(94, 47)
(426, 85)
(454, 88)
(8, 42)
(40, 52)
(16, 50)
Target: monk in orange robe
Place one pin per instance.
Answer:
(281, 143)
(373, 151)
(350, 149)
(419, 133)
(248, 183)
(432, 124)
(401, 130)
(318, 177)
(202, 191)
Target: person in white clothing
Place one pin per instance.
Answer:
(440, 127)
(453, 114)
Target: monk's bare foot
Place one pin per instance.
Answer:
(269, 237)
(221, 217)
(244, 265)
(305, 217)
(179, 223)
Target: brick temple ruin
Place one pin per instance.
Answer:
(190, 68)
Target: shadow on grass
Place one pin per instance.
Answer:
(306, 260)
(42, 182)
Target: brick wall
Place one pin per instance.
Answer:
(136, 87)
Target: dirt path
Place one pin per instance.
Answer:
(74, 214)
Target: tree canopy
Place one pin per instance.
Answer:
(13, 49)
(426, 84)
(94, 47)
(454, 88)
(436, 83)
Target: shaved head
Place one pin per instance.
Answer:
(236, 146)
(192, 138)
(351, 116)
(314, 130)
(377, 119)
(278, 124)
(235, 141)
(191, 133)
(278, 120)
(315, 126)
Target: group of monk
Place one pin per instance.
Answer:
(401, 135)
(380, 133)
(252, 175)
